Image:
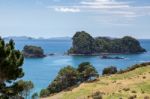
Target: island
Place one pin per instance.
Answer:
(110, 57)
(31, 51)
(84, 44)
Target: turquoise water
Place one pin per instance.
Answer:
(43, 71)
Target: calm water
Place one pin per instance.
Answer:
(43, 71)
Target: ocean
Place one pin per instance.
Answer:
(42, 71)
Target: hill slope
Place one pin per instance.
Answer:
(134, 83)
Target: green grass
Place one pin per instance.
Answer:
(130, 74)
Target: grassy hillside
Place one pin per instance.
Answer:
(131, 84)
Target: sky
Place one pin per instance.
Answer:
(61, 18)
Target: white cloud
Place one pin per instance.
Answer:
(66, 9)
(111, 7)
(124, 9)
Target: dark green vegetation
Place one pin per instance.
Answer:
(84, 43)
(133, 83)
(69, 76)
(134, 67)
(109, 70)
(97, 95)
(35, 96)
(11, 62)
(24, 88)
(33, 51)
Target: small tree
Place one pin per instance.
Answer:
(44, 93)
(86, 71)
(66, 78)
(35, 96)
(110, 70)
(27, 87)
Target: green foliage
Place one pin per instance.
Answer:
(134, 67)
(83, 43)
(25, 86)
(97, 95)
(11, 61)
(66, 77)
(35, 96)
(69, 76)
(86, 71)
(44, 93)
(109, 70)
(33, 51)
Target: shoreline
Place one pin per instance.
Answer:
(101, 54)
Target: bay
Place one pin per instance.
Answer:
(42, 71)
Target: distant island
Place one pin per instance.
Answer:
(85, 44)
(31, 51)
(18, 38)
(33, 38)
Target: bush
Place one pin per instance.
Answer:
(35, 96)
(44, 93)
(132, 97)
(109, 70)
(67, 77)
(134, 67)
(87, 72)
(97, 95)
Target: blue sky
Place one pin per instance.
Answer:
(59, 18)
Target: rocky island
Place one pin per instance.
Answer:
(85, 44)
(31, 51)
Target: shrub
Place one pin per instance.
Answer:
(109, 70)
(67, 77)
(132, 97)
(134, 67)
(97, 95)
(126, 89)
(44, 93)
(133, 91)
(87, 72)
(35, 96)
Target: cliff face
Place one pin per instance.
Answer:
(83, 43)
(30, 51)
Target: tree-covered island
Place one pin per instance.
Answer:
(31, 51)
(85, 44)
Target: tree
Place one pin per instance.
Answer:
(82, 43)
(110, 70)
(11, 61)
(66, 77)
(86, 71)
(35, 96)
(44, 93)
(69, 76)
(26, 87)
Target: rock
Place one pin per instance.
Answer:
(31, 51)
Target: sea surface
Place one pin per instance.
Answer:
(43, 70)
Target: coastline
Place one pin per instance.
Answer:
(101, 54)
